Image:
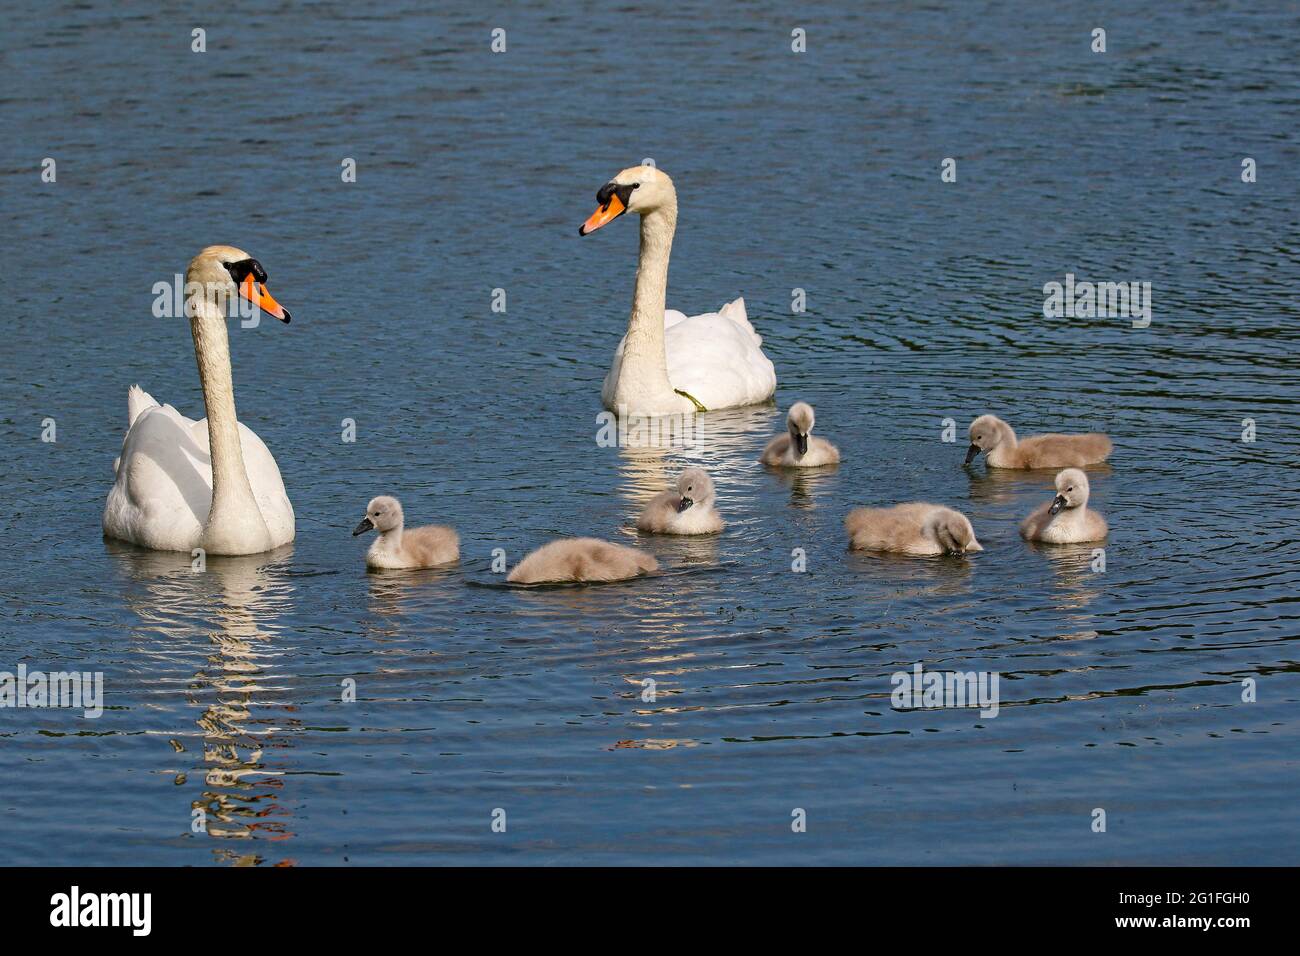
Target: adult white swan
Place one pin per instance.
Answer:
(211, 484)
(667, 362)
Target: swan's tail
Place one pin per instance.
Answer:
(735, 310)
(137, 400)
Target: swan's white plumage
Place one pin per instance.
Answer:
(163, 490)
(137, 400)
(181, 484)
(716, 357)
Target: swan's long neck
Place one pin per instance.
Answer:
(644, 373)
(235, 524)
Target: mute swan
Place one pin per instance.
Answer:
(991, 434)
(668, 362)
(688, 510)
(798, 448)
(916, 528)
(1066, 518)
(397, 547)
(581, 559)
(209, 484)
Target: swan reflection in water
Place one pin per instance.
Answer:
(647, 628)
(806, 483)
(401, 602)
(1007, 485)
(1078, 569)
(1076, 566)
(226, 612)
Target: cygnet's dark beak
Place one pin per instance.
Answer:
(801, 442)
(971, 452)
(366, 525)
(684, 504)
(1057, 504)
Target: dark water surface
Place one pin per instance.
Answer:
(1120, 690)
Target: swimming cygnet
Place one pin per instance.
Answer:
(915, 528)
(688, 510)
(399, 548)
(581, 559)
(797, 448)
(1066, 518)
(988, 433)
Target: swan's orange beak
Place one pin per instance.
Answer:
(256, 292)
(605, 214)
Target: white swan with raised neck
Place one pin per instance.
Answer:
(667, 362)
(212, 484)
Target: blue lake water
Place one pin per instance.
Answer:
(1120, 690)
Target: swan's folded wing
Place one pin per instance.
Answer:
(672, 317)
(717, 358)
(775, 450)
(268, 486)
(433, 544)
(735, 311)
(163, 485)
(137, 401)
(658, 511)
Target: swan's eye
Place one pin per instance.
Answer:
(636, 185)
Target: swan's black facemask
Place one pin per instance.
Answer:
(241, 270)
(623, 192)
